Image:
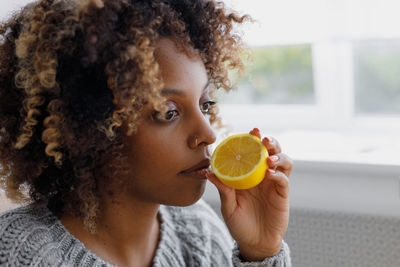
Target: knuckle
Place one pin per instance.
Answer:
(283, 157)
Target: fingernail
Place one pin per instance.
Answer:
(267, 139)
(274, 158)
(272, 171)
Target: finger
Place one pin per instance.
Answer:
(272, 145)
(226, 194)
(281, 162)
(222, 188)
(281, 182)
(256, 132)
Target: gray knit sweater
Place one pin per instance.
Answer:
(190, 236)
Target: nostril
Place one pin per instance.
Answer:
(193, 141)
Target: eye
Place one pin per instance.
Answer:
(206, 106)
(168, 116)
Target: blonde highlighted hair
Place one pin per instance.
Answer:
(72, 72)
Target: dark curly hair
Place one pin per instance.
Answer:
(72, 72)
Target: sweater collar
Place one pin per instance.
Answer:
(168, 249)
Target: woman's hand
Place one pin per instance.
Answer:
(257, 218)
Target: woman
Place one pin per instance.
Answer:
(106, 109)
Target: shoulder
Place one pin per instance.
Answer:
(24, 219)
(24, 232)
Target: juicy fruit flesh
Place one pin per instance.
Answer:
(238, 156)
(240, 161)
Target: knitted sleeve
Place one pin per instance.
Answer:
(282, 259)
(225, 252)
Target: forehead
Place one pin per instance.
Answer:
(177, 67)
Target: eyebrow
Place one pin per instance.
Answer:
(171, 91)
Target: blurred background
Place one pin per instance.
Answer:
(324, 79)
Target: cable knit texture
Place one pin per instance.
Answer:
(189, 236)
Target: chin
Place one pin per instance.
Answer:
(189, 202)
(188, 198)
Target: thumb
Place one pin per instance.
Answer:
(226, 194)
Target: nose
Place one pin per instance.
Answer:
(202, 134)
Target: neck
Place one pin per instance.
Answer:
(128, 222)
(127, 232)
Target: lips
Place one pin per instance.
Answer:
(198, 170)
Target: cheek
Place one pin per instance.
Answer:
(160, 155)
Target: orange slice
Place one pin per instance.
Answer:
(239, 161)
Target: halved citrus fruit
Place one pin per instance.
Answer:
(239, 161)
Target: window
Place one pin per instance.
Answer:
(377, 77)
(325, 79)
(276, 75)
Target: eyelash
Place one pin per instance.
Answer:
(210, 103)
(170, 113)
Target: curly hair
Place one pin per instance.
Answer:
(72, 72)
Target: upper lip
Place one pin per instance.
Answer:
(203, 164)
